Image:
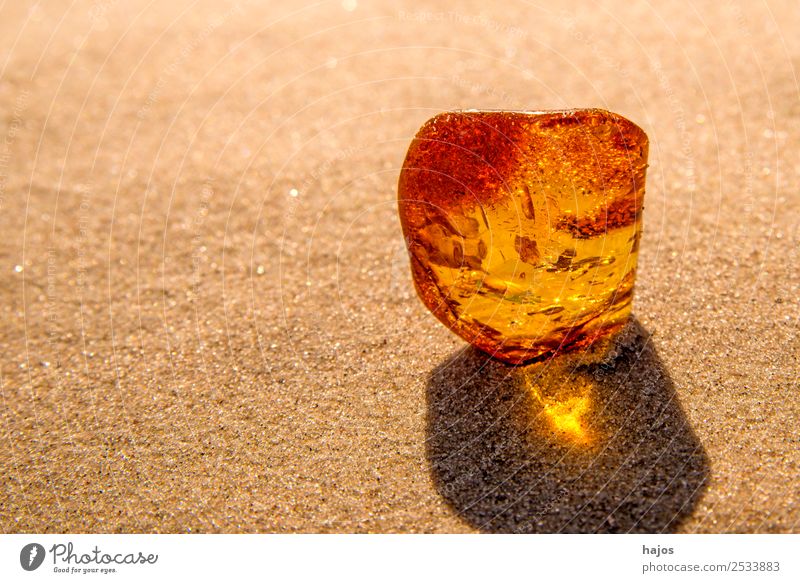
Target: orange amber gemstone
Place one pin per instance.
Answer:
(523, 227)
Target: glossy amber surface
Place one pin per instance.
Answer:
(523, 227)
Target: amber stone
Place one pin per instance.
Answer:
(523, 227)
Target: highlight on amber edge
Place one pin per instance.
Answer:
(523, 227)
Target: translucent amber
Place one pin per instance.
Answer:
(523, 227)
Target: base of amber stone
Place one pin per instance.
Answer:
(596, 334)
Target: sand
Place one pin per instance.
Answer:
(208, 323)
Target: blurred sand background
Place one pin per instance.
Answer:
(208, 323)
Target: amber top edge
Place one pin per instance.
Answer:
(565, 113)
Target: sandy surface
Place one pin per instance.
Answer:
(208, 322)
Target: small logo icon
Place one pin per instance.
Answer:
(31, 556)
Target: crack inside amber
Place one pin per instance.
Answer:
(523, 227)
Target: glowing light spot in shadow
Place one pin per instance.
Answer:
(566, 414)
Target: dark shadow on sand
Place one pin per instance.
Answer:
(564, 446)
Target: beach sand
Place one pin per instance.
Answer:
(208, 320)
